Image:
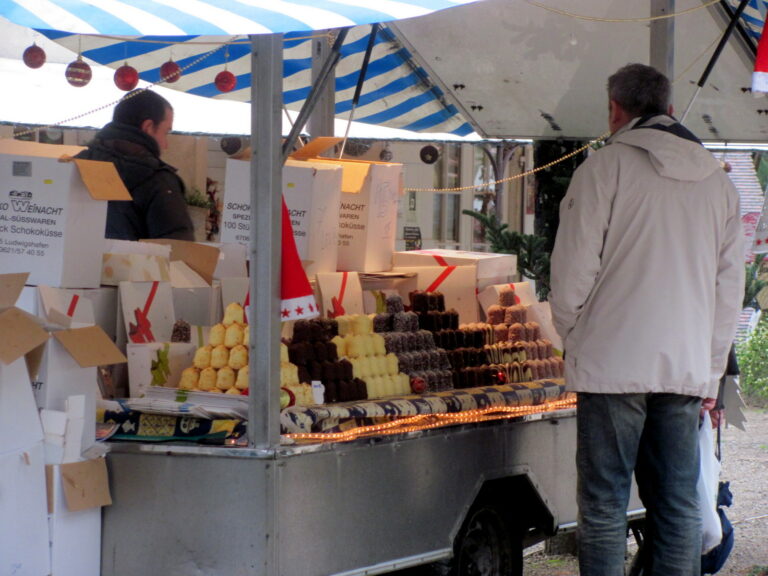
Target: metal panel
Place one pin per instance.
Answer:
(341, 508)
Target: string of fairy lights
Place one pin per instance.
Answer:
(420, 422)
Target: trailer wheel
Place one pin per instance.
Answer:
(487, 545)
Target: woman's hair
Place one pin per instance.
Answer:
(140, 105)
(640, 90)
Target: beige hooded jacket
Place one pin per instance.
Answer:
(648, 266)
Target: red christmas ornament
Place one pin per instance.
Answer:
(34, 56)
(170, 71)
(126, 77)
(78, 73)
(501, 377)
(225, 81)
(418, 385)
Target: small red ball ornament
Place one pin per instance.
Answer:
(170, 71)
(34, 56)
(78, 73)
(225, 81)
(501, 377)
(418, 385)
(126, 77)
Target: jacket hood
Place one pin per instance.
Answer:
(672, 150)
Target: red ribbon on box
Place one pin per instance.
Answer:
(440, 279)
(336, 302)
(141, 332)
(73, 305)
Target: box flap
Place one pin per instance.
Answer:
(201, 258)
(182, 276)
(11, 286)
(24, 148)
(27, 334)
(102, 180)
(90, 346)
(86, 484)
(316, 147)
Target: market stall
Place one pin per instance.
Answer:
(468, 429)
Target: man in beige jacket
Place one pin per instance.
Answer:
(647, 284)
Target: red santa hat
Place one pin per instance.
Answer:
(298, 300)
(760, 75)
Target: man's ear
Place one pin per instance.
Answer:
(147, 125)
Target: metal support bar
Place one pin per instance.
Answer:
(747, 40)
(360, 81)
(314, 93)
(662, 49)
(265, 243)
(715, 56)
(321, 119)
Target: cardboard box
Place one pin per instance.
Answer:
(125, 261)
(340, 294)
(157, 364)
(377, 286)
(24, 544)
(21, 346)
(233, 260)
(311, 191)
(193, 299)
(69, 368)
(491, 268)
(146, 311)
(53, 213)
(75, 515)
(524, 293)
(455, 282)
(60, 306)
(367, 210)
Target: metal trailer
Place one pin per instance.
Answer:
(475, 493)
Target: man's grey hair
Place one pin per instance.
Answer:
(640, 90)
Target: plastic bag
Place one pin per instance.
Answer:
(707, 488)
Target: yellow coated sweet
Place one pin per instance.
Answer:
(234, 335)
(361, 324)
(225, 378)
(238, 357)
(219, 356)
(234, 391)
(189, 378)
(289, 374)
(393, 364)
(341, 346)
(215, 390)
(344, 326)
(234, 312)
(202, 357)
(216, 335)
(207, 379)
(241, 383)
(367, 340)
(379, 346)
(381, 365)
(283, 353)
(354, 345)
(247, 337)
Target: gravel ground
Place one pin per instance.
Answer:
(745, 465)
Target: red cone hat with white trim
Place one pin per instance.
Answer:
(298, 300)
(760, 75)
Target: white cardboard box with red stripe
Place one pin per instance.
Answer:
(491, 268)
(457, 283)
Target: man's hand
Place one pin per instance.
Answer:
(715, 416)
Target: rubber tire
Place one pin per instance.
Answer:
(487, 545)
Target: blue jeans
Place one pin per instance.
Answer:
(656, 437)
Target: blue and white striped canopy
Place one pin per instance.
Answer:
(206, 36)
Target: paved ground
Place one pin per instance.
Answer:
(745, 465)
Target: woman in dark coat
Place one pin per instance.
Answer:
(133, 142)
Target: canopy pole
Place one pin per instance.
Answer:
(265, 241)
(321, 119)
(360, 81)
(314, 93)
(715, 56)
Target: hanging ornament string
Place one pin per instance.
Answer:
(590, 144)
(129, 95)
(637, 19)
